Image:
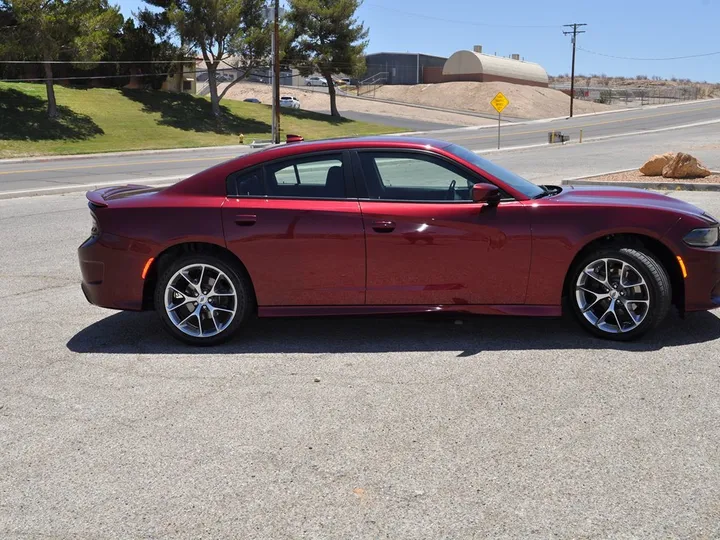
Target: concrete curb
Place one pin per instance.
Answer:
(658, 186)
(129, 153)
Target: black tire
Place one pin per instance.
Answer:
(243, 306)
(658, 292)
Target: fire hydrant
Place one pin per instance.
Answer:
(241, 138)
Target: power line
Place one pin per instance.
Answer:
(96, 62)
(61, 78)
(651, 59)
(455, 21)
(125, 76)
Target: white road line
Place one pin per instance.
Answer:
(243, 150)
(73, 188)
(600, 139)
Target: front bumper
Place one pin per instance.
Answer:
(111, 268)
(702, 285)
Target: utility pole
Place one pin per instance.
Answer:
(574, 34)
(276, 75)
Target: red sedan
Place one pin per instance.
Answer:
(393, 225)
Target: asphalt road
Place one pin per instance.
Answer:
(55, 173)
(340, 428)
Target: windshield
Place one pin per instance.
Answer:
(525, 187)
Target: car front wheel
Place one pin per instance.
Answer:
(619, 293)
(202, 299)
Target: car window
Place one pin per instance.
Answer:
(527, 188)
(414, 177)
(310, 177)
(246, 184)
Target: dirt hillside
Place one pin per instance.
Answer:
(317, 101)
(525, 101)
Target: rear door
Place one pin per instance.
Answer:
(296, 225)
(428, 243)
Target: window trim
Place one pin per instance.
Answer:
(345, 158)
(362, 189)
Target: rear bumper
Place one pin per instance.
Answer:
(702, 285)
(111, 268)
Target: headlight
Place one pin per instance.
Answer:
(703, 237)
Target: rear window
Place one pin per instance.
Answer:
(310, 177)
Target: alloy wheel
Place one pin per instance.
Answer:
(612, 295)
(200, 300)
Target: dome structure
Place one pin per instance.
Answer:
(475, 66)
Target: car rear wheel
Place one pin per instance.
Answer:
(619, 293)
(202, 299)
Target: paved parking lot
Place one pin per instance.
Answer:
(337, 428)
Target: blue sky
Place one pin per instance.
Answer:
(533, 28)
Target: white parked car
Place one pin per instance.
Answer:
(289, 101)
(315, 81)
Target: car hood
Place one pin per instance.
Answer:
(620, 196)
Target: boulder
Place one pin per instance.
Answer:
(655, 165)
(685, 166)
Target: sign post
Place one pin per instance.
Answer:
(499, 102)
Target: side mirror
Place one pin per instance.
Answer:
(486, 193)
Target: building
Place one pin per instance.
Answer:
(476, 66)
(416, 68)
(400, 68)
(183, 78)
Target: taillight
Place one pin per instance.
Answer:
(95, 228)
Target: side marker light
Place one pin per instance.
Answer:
(682, 266)
(151, 259)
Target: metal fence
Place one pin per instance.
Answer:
(634, 96)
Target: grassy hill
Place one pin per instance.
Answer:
(107, 120)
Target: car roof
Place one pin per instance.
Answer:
(381, 141)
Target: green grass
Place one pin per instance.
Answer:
(108, 120)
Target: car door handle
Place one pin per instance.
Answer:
(245, 220)
(383, 226)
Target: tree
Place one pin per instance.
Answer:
(74, 29)
(221, 30)
(328, 40)
(155, 57)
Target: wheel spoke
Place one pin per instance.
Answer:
(223, 310)
(622, 277)
(212, 317)
(217, 280)
(593, 303)
(178, 291)
(185, 303)
(608, 311)
(591, 274)
(189, 281)
(195, 313)
(202, 275)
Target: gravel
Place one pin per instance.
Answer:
(637, 176)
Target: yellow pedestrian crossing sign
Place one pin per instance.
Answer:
(499, 102)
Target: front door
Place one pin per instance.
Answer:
(300, 235)
(429, 244)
